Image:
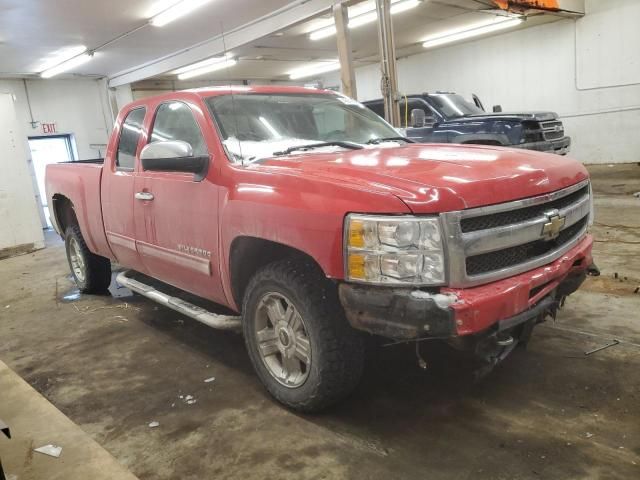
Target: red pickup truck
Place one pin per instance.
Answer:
(309, 216)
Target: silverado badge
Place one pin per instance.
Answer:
(554, 226)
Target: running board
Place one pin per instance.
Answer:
(223, 322)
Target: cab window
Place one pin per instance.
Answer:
(376, 107)
(175, 121)
(129, 137)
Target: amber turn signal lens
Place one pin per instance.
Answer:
(356, 266)
(356, 234)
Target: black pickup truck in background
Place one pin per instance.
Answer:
(445, 117)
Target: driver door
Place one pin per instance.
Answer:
(178, 239)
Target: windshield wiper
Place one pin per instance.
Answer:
(376, 141)
(348, 145)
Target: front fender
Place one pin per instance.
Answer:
(306, 214)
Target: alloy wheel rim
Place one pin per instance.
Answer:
(283, 342)
(77, 260)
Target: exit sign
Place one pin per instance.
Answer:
(48, 128)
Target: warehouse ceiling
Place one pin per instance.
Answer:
(32, 31)
(274, 56)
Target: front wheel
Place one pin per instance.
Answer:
(301, 346)
(91, 272)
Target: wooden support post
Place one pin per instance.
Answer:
(389, 81)
(343, 37)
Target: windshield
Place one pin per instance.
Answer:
(453, 105)
(255, 126)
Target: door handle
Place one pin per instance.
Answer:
(144, 196)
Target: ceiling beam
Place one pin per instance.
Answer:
(285, 17)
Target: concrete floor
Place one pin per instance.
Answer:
(114, 365)
(34, 422)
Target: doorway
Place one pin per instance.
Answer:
(44, 151)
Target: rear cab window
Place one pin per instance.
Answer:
(129, 138)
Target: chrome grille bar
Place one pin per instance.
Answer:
(483, 241)
(461, 245)
(552, 130)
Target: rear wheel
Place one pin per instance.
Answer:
(92, 273)
(301, 346)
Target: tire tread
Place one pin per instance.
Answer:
(342, 347)
(98, 274)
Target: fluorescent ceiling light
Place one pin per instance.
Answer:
(67, 65)
(204, 63)
(207, 69)
(500, 23)
(362, 15)
(363, 19)
(308, 71)
(323, 33)
(403, 6)
(59, 56)
(176, 11)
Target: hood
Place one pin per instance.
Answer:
(510, 116)
(437, 178)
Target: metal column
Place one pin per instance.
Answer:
(389, 80)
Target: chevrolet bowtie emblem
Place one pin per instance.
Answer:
(552, 228)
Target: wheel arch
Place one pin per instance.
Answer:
(64, 214)
(483, 142)
(249, 254)
(496, 139)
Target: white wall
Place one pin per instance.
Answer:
(20, 226)
(586, 70)
(121, 95)
(78, 107)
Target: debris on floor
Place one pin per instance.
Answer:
(615, 342)
(589, 435)
(209, 380)
(188, 399)
(88, 310)
(51, 450)
(154, 424)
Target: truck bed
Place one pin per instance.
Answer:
(80, 183)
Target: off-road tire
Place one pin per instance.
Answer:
(96, 269)
(337, 350)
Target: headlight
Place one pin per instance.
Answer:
(394, 250)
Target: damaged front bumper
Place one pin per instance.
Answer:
(475, 313)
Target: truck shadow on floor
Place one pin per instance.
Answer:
(534, 410)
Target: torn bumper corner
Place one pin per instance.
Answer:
(410, 313)
(399, 313)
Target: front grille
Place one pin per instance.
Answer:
(500, 219)
(490, 243)
(552, 130)
(489, 262)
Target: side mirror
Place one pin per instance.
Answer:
(417, 118)
(173, 156)
(497, 108)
